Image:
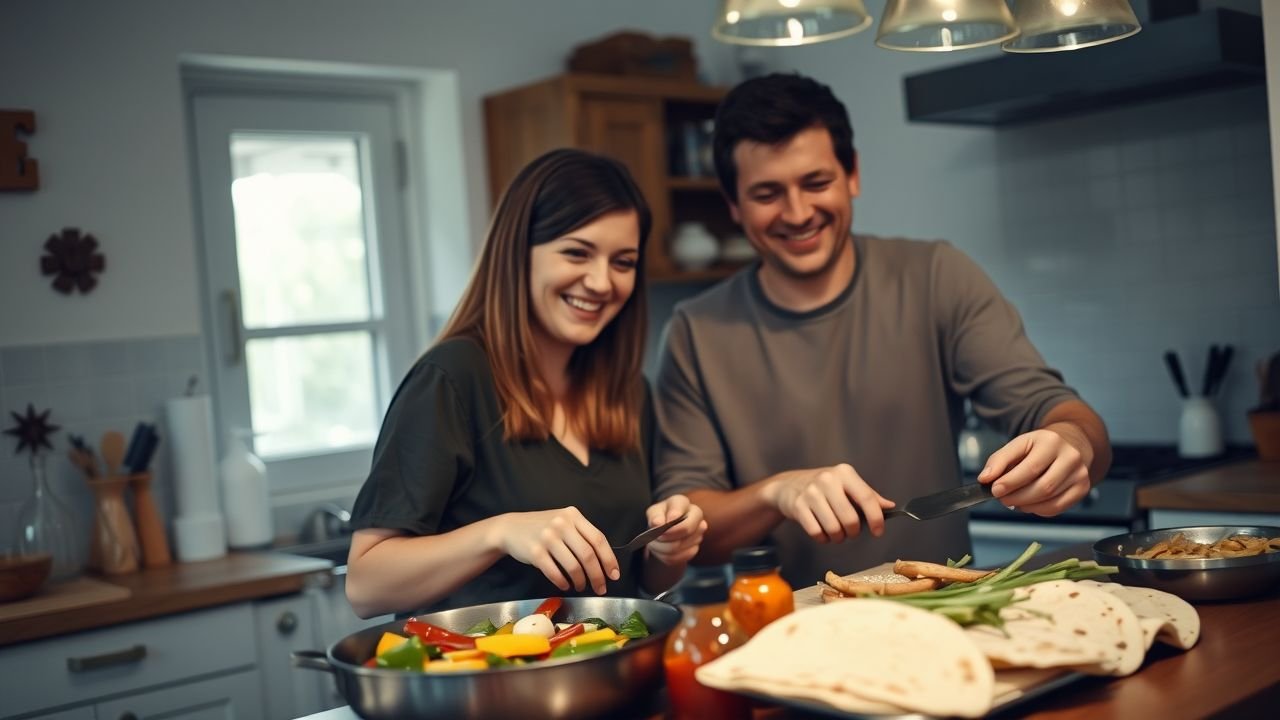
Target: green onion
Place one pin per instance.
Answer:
(979, 602)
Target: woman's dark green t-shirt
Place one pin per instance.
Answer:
(441, 463)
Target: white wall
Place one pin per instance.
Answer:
(103, 79)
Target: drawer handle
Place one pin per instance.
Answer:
(97, 662)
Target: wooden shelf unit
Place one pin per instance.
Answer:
(629, 118)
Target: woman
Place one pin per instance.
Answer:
(516, 451)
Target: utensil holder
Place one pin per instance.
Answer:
(155, 545)
(1199, 429)
(1265, 426)
(114, 536)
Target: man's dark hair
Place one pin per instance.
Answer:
(772, 109)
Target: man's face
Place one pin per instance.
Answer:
(795, 202)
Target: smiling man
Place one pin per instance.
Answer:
(823, 384)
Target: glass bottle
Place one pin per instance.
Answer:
(45, 525)
(759, 595)
(706, 631)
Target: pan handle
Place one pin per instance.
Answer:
(311, 660)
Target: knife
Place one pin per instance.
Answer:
(928, 507)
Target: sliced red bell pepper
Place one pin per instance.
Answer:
(549, 607)
(433, 635)
(564, 635)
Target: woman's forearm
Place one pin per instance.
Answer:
(390, 572)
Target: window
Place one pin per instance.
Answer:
(306, 274)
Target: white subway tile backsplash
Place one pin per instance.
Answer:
(1184, 255)
(23, 365)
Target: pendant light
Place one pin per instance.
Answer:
(788, 22)
(943, 25)
(1056, 25)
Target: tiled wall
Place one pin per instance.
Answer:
(89, 388)
(1138, 230)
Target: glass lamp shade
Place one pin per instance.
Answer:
(788, 22)
(1056, 25)
(943, 25)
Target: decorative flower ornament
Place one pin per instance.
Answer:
(33, 430)
(73, 258)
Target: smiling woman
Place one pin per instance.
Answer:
(517, 449)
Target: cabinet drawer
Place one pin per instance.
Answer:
(100, 663)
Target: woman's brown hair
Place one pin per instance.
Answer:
(551, 197)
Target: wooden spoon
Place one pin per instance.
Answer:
(112, 447)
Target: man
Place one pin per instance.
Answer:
(801, 395)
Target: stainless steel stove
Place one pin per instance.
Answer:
(1111, 508)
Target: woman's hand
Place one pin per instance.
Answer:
(677, 546)
(559, 542)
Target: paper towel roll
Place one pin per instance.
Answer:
(190, 421)
(200, 537)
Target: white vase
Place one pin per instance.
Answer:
(693, 246)
(737, 249)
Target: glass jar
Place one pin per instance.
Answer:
(759, 594)
(706, 631)
(45, 525)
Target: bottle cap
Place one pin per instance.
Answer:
(755, 559)
(705, 589)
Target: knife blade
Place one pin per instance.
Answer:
(928, 507)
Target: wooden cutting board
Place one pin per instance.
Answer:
(69, 595)
(1011, 685)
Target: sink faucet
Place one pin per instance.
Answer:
(327, 522)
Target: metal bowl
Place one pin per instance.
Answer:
(1194, 579)
(581, 687)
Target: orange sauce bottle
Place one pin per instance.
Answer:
(706, 631)
(759, 594)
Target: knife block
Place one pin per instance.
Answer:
(155, 545)
(115, 543)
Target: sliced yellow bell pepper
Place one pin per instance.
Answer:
(622, 640)
(506, 629)
(513, 645)
(446, 666)
(388, 641)
(460, 655)
(594, 636)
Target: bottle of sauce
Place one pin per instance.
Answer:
(759, 594)
(706, 632)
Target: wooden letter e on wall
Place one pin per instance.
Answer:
(17, 171)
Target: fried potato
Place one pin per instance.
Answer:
(888, 584)
(917, 569)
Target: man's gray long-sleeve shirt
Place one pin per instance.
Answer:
(876, 378)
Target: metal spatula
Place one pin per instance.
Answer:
(936, 505)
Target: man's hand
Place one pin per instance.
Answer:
(1042, 472)
(677, 546)
(826, 502)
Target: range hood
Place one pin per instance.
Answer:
(1195, 53)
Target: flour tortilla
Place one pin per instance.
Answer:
(1063, 624)
(1164, 616)
(862, 656)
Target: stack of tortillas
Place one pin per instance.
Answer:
(862, 656)
(873, 656)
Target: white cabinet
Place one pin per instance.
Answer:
(231, 661)
(84, 667)
(229, 697)
(283, 625)
(335, 620)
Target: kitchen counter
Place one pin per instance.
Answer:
(1228, 673)
(177, 588)
(1252, 486)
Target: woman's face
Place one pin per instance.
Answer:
(579, 282)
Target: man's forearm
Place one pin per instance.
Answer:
(1091, 429)
(735, 518)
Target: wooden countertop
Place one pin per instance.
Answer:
(178, 588)
(1251, 486)
(1227, 674)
